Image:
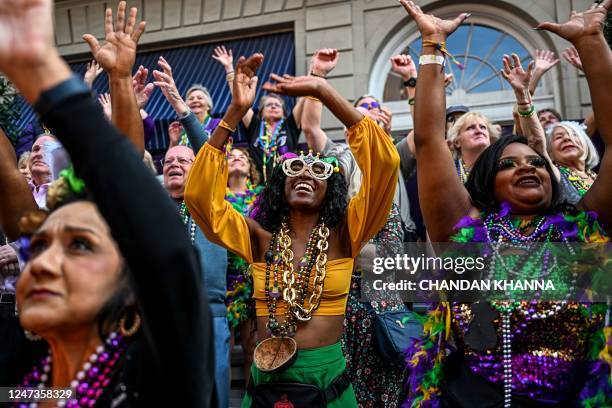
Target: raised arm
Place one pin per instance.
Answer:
(544, 61)
(585, 31)
(373, 150)
(117, 57)
(16, 195)
(321, 64)
(92, 72)
(164, 80)
(207, 183)
(142, 219)
(520, 80)
(226, 59)
(444, 200)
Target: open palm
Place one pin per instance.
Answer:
(583, 24)
(430, 25)
(118, 54)
(26, 33)
(245, 81)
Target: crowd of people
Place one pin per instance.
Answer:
(133, 292)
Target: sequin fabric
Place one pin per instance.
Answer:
(376, 382)
(547, 354)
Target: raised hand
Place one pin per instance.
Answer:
(175, 129)
(118, 53)
(581, 25)
(514, 73)
(384, 118)
(545, 60)
(93, 70)
(433, 28)
(165, 81)
(245, 82)
(571, 55)
(105, 101)
(225, 57)
(142, 89)
(448, 79)
(404, 66)
(324, 61)
(295, 86)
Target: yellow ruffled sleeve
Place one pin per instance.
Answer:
(205, 199)
(378, 161)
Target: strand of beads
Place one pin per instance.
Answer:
(184, 213)
(507, 357)
(90, 381)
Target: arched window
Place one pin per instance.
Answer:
(479, 45)
(479, 49)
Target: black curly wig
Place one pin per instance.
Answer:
(481, 181)
(272, 207)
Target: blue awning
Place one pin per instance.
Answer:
(192, 65)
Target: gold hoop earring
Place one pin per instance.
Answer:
(132, 330)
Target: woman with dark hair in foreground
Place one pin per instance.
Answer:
(301, 242)
(507, 353)
(98, 269)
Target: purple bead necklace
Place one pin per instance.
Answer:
(89, 383)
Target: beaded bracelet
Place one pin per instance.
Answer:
(527, 113)
(223, 125)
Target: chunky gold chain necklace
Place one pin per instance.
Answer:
(281, 278)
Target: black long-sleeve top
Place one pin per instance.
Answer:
(172, 362)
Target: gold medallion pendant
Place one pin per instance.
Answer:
(275, 354)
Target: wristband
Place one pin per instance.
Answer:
(431, 59)
(223, 125)
(51, 97)
(184, 114)
(411, 101)
(527, 113)
(314, 74)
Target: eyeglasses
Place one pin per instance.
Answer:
(181, 161)
(370, 105)
(318, 169)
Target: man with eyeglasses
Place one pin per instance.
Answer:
(213, 262)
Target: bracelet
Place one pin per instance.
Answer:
(223, 125)
(314, 74)
(230, 76)
(441, 46)
(527, 113)
(312, 98)
(431, 59)
(411, 101)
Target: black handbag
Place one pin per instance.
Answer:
(394, 332)
(295, 395)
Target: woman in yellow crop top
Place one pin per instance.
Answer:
(301, 241)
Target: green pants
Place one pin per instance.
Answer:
(318, 367)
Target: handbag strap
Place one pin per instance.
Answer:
(335, 389)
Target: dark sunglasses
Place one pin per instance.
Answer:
(371, 105)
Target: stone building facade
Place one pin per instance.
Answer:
(367, 33)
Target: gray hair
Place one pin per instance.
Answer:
(207, 97)
(575, 130)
